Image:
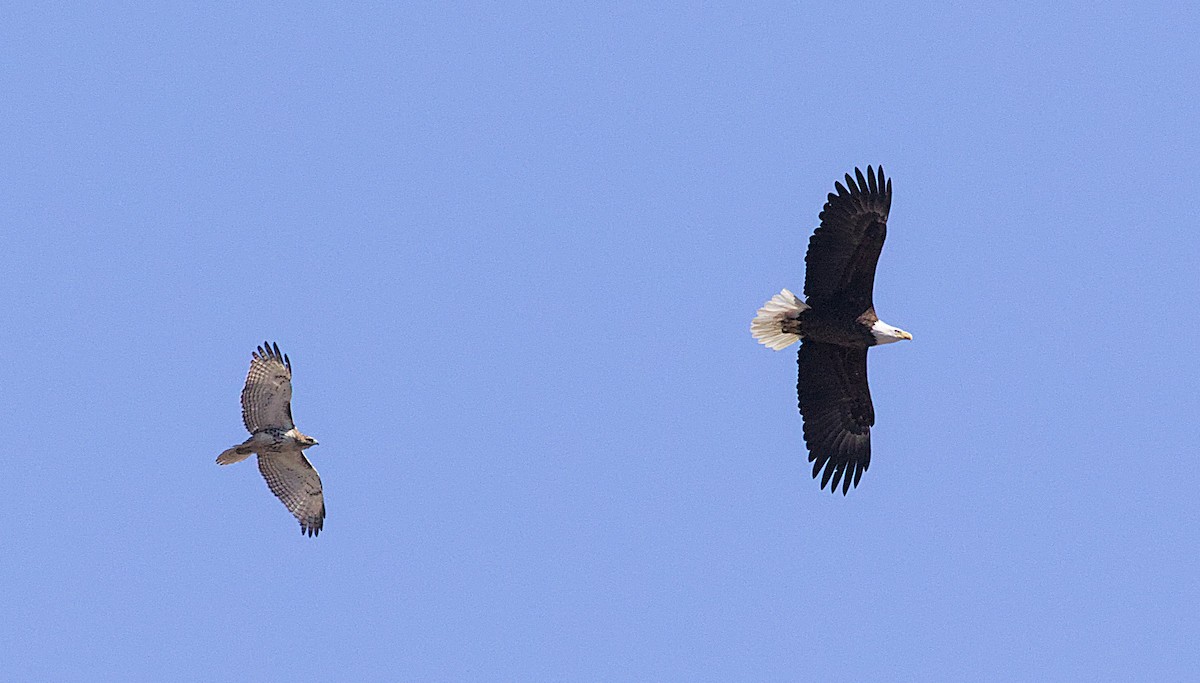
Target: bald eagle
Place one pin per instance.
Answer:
(835, 325)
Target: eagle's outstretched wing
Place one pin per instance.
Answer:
(293, 479)
(844, 250)
(836, 404)
(267, 396)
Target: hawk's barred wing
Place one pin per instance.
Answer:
(267, 396)
(295, 482)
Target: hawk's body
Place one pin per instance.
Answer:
(267, 412)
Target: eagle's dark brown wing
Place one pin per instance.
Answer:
(836, 404)
(843, 252)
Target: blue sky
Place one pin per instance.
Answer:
(513, 251)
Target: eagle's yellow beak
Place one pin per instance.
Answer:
(906, 335)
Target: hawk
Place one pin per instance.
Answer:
(267, 412)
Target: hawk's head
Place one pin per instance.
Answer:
(305, 441)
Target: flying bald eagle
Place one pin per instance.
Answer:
(836, 324)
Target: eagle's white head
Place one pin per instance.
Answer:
(886, 334)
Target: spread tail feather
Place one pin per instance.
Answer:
(236, 454)
(767, 326)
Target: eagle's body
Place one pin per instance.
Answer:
(267, 412)
(831, 327)
(836, 324)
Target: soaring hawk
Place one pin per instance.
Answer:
(267, 412)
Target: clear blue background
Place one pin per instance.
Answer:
(513, 253)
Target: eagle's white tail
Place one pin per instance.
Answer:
(236, 454)
(767, 326)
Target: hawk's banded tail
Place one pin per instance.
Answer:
(236, 454)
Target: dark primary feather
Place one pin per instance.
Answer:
(836, 404)
(844, 249)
